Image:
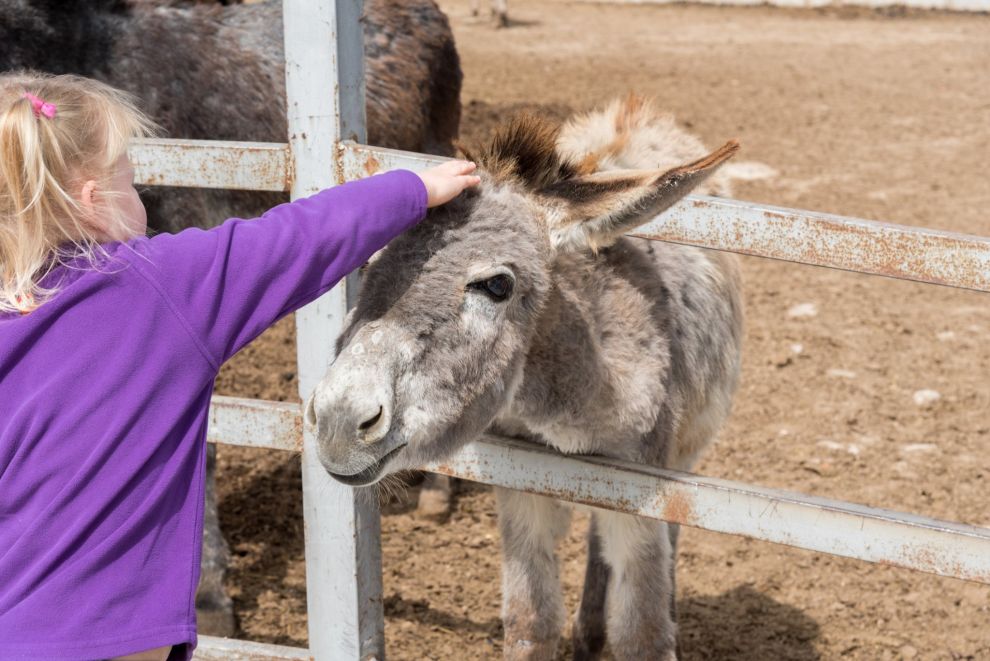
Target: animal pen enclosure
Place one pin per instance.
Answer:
(344, 595)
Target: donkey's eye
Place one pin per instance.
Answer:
(498, 287)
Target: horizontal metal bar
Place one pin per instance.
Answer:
(808, 522)
(806, 237)
(210, 648)
(255, 423)
(819, 239)
(212, 164)
(361, 161)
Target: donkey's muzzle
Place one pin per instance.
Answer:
(352, 412)
(369, 475)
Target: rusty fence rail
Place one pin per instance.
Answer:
(783, 517)
(794, 235)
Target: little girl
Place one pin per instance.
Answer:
(109, 346)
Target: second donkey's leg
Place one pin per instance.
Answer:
(435, 497)
(589, 626)
(532, 606)
(640, 588)
(214, 608)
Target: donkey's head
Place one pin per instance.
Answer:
(438, 340)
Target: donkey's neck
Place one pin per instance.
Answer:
(596, 374)
(565, 376)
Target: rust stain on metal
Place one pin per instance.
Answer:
(928, 561)
(465, 473)
(371, 165)
(678, 509)
(290, 169)
(577, 496)
(296, 433)
(339, 173)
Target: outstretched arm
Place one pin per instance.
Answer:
(231, 282)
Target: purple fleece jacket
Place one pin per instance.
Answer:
(104, 392)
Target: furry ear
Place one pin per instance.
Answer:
(593, 211)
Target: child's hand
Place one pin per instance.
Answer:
(446, 181)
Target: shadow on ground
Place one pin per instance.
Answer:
(261, 517)
(745, 625)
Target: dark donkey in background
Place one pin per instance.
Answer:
(217, 73)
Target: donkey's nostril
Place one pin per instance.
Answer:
(368, 424)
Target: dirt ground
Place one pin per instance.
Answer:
(879, 115)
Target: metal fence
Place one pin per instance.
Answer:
(325, 90)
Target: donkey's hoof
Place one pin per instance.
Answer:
(216, 622)
(434, 498)
(434, 504)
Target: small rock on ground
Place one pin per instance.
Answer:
(926, 397)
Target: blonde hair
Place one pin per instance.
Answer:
(42, 161)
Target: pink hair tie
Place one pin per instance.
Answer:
(40, 107)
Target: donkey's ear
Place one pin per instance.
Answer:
(594, 210)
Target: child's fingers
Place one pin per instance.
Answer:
(447, 180)
(457, 168)
(467, 181)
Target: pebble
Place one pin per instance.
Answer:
(841, 374)
(851, 448)
(945, 336)
(802, 310)
(908, 652)
(926, 397)
(914, 448)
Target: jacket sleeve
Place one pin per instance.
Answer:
(232, 282)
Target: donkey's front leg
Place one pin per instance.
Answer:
(532, 607)
(640, 590)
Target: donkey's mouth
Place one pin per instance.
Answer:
(370, 474)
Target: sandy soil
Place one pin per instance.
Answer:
(879, 115)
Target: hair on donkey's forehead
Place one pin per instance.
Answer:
(525, 150)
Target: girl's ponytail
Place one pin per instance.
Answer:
(55, 133)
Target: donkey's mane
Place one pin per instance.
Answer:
(524, 149)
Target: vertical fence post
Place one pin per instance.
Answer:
(325, 101)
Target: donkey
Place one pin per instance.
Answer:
(212, 72)
(521, 309)
(499, 12)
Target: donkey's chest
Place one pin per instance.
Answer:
(565, 438)
(597, 402)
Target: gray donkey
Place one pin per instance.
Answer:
(520, 308)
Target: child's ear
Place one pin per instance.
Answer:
(86, 194)
(593, 211)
